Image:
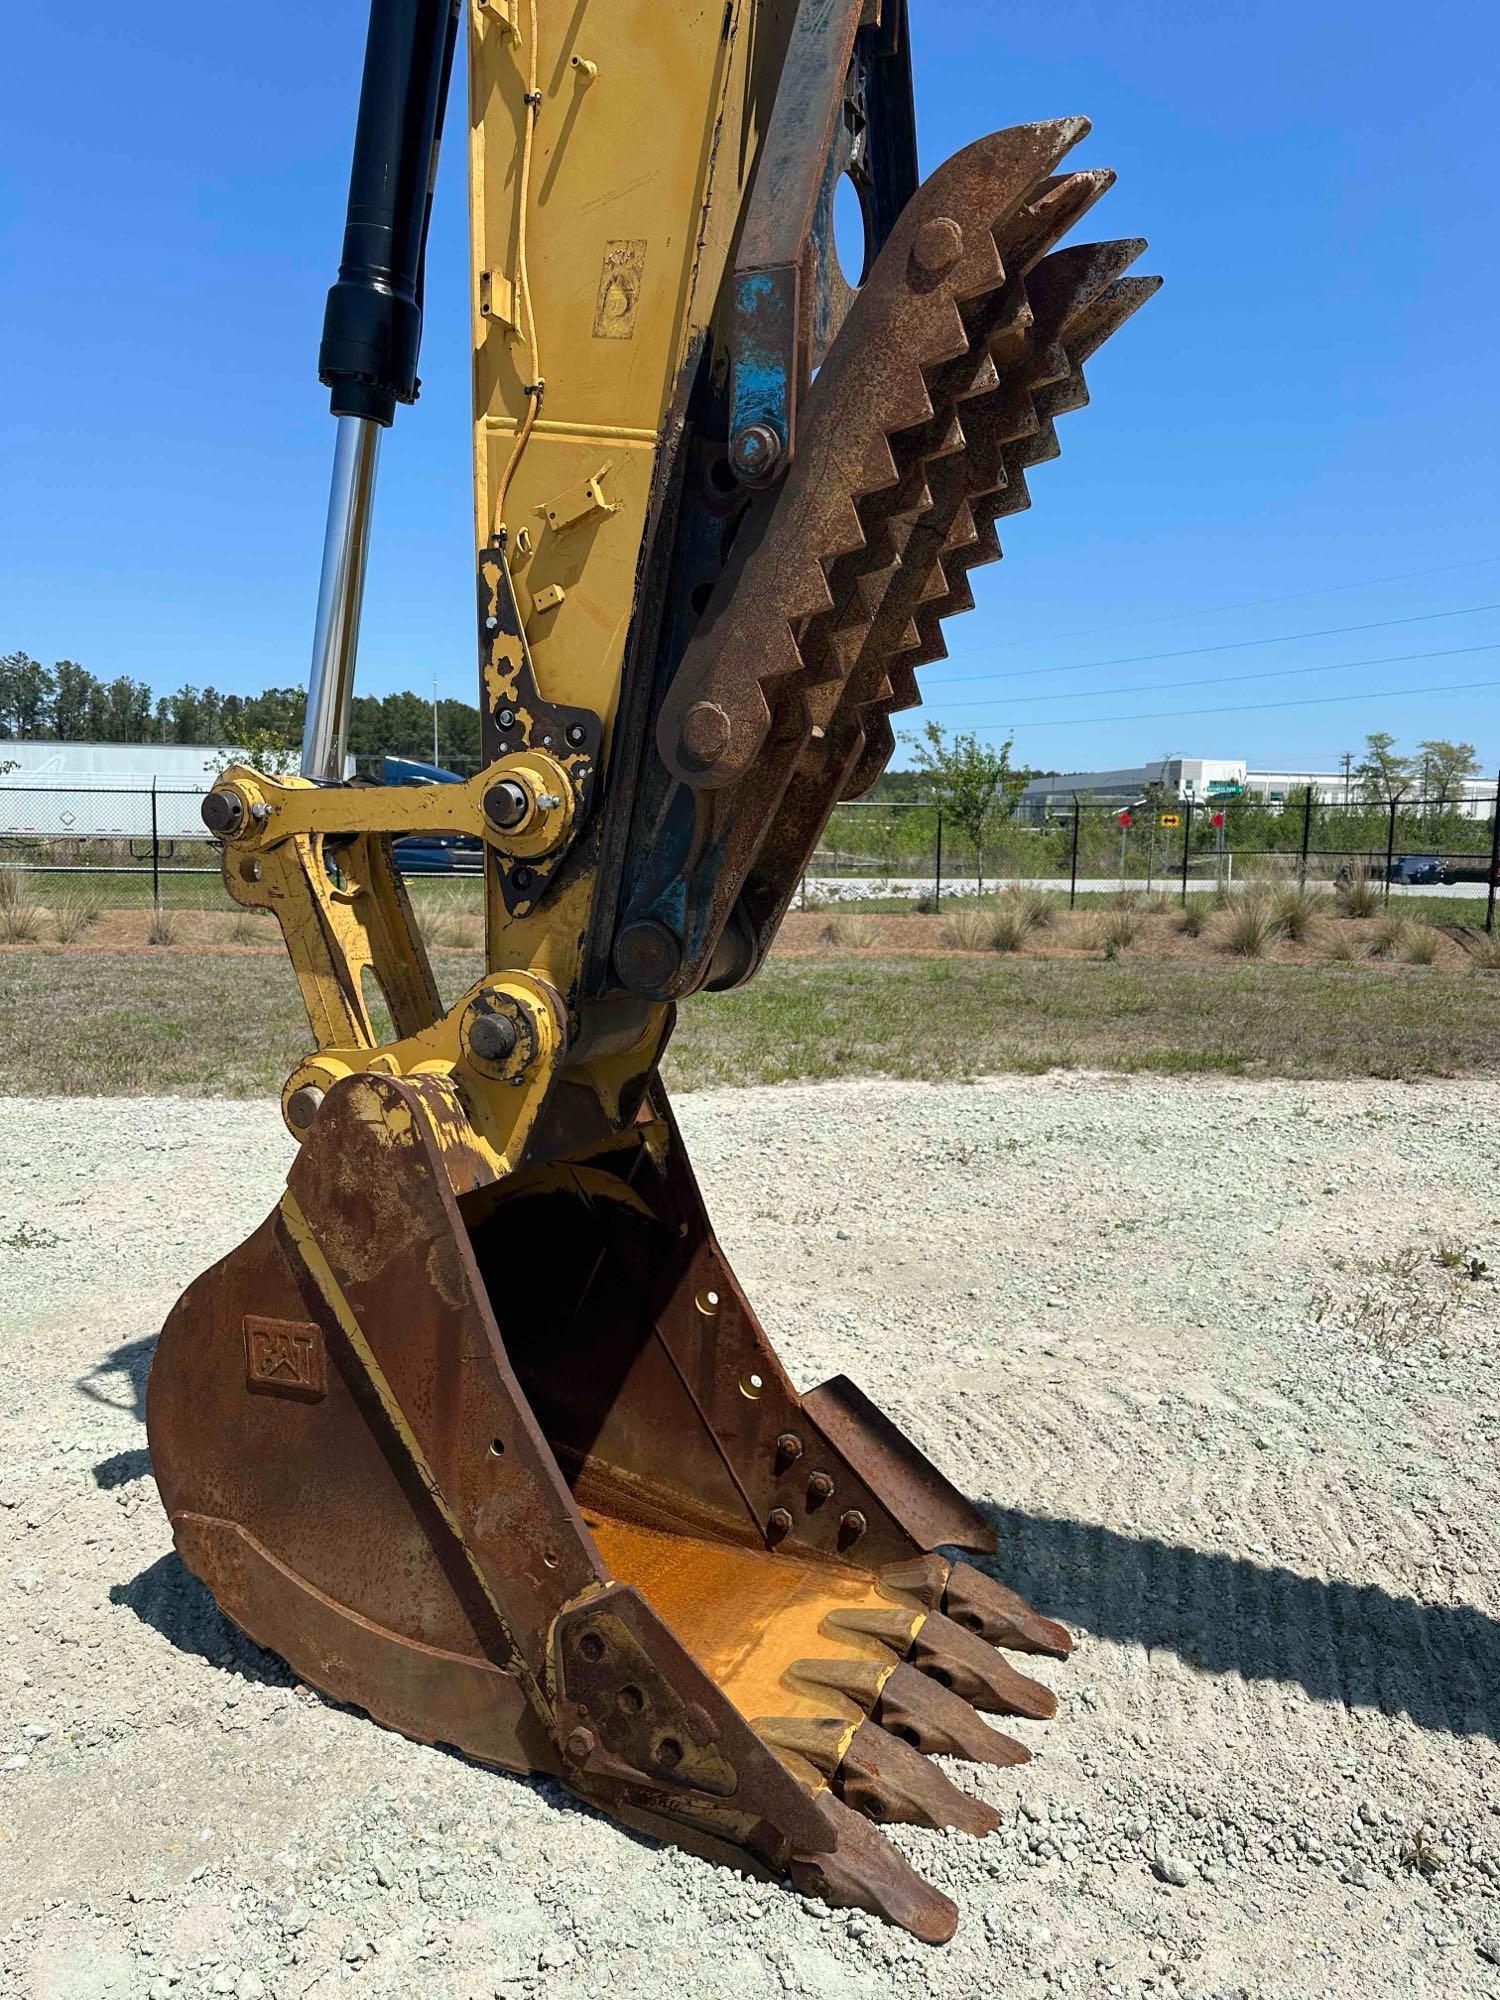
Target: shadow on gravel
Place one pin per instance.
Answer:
(172, 1601)
(124, 1467)
(1354, 1644)
(120, 1379)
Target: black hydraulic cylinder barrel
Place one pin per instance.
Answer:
(372, 329)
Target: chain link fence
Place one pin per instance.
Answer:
(133, 847)
(1412, 846)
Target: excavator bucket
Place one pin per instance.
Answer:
(478, 1430)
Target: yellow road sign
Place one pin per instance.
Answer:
(1171, 819)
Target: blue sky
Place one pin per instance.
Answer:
(1296, 435)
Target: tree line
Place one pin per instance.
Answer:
(65, 703)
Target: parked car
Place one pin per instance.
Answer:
(431, 853)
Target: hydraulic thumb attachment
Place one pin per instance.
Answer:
(478, 1430)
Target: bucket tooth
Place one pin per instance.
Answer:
(864, 1872)
(961, 1660)
(940, 1723)
(887, 1779)
(980, 1604)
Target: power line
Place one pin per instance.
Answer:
(1257, 603)
(1252, 708)
(1215, 680)
(1228, 646)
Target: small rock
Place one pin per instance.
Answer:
(1362, 1876)
(297, 1919)
(251, 1987)
(1173, 1869)
(1489, 1948)
(16, 1763)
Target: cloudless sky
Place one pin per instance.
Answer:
(1297, 434)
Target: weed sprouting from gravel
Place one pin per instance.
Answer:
(28, 1236)
(1400, 1299)
(162, 929)
(1188, 921)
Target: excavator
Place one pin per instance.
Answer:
(478, 1431)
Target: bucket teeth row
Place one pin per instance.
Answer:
(916, 1706)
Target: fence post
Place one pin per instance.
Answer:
(937, 873)
(1390, 849)
(1073, 863)
(155, 854)
(1489, 908)
(1307, 803)
(1187, 842)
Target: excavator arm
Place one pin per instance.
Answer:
(479, 1430)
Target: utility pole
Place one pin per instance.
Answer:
(434, 719)
(1347, 760)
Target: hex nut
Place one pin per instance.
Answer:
(937, 245)
(581, 1745)
(493, 1037)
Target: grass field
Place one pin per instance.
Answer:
(100, 1022)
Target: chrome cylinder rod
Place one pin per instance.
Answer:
(346, 547)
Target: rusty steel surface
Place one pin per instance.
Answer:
(578, 1523)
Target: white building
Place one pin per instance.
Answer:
(1210, 781)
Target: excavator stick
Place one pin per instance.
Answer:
(478, 1430)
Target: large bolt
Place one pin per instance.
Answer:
(704, 735)
(506, 804)
(580, 1745)
(778, 1524)
(754, 451)
(648, 956)
(819, 1489)
(788, 1450)
(493, 1037)
(223, 814)
(851, 1526)
(937, 245)
(303, 1105)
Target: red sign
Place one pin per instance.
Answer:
(1124, 818)
(1218, 819)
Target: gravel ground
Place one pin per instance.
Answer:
(1220, 1357)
